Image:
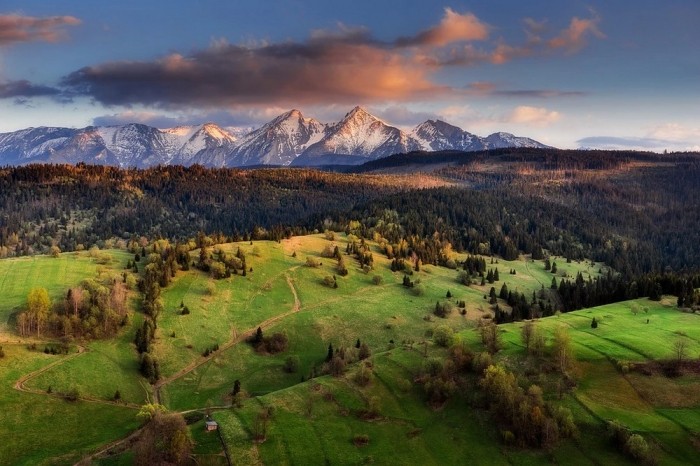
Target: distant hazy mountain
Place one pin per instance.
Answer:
(289, 139)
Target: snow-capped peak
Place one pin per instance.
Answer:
(290, 137)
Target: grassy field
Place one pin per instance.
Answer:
(318, 421)
(18, 276)
(44, 428)
(315, 422)
(376, 314)
(49, 430)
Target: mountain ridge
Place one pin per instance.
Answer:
(288, 139)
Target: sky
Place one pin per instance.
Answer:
(598, 74)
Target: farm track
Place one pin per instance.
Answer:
(20, 384)
(237, 338)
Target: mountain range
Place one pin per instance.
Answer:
(289, 139)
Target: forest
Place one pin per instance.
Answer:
(634, 211)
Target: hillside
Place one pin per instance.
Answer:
(317, 416)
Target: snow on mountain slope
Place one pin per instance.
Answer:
(436, 135)
(200, 144)
(288, 139)
(360, 134)
(278, 142)
(502, 140)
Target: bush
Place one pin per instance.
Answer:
(72, 395)
(481, 361)
(377, 280)
(418, 289)
(360, 440)
(311, 262)
(637, 447)
(443, 336)
(276, 343)
(330, 281)
(291, 364)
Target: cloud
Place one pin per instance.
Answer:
(571, 40)
(25, 89)
(488, 88)
(533, 115)
(343, 66)
(237, 118)
(454, 27)
(403, 116)
(676, 132)
(618, 143)
(16, 28)
(341, 69)
(574, 38)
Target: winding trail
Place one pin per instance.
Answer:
(236, 338)
(20, 383)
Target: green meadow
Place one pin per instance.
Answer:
(323, 420)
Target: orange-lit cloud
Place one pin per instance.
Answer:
(573, 38)
(533, 115)
(317, 71)
(343, 66)
(17, 28)
(454, 27)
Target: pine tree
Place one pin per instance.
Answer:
(258, 336)
(329, 356)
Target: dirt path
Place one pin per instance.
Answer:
(236, 338)
(20, 384)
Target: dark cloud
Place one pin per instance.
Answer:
(538, 93)
(317, 71)
(244, 117)
(492, 89)
(17, 28)
(347, 66)
(24, 89)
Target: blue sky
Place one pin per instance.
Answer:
(596, 74)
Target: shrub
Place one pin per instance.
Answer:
(360, 440)
(377, 280)
(363, 375)
(291, 364)
(443, 336)
(637, 447)
(72, 395)
(311, 262)
(330, 281)
(481, 361)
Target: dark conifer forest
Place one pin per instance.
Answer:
(637, 212)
